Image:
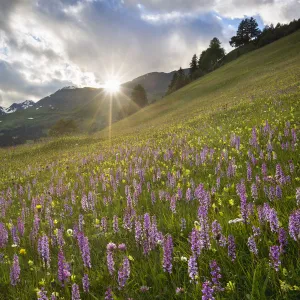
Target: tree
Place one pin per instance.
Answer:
(63, 127)
(139, 96)
(172, 84)
(181, 79)
(210, 56)
(193, 65)
(247, 31)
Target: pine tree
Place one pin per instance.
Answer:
(247, 31)
(211, 55)
(139, 96)
(193, 65)
(181, 80)
(254, 31)
(172, 84)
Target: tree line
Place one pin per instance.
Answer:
(248, 33)
(199, 66)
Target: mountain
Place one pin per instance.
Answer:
(19, 106)
(156, 83)
(90, 108)
(2, 111)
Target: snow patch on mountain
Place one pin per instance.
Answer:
(71, 87)
(16, 107)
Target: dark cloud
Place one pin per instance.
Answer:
(11, 80)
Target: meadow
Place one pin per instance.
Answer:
(194, 197)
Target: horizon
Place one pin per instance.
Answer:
(90, 42)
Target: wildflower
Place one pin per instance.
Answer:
(207, 291)
(173, 204)
(122, 247)
(254, 192)
(3, 236)
(43, 249)
(109, 258)
(54, 296)
(195, 241)
(282, 239)
(231, 202)
(130, 258)
(69, 232)
(252, 245)
(298, 196)
(115, 224)
(274, 257)
(216, 276)
(237, 220)
(179, 290)
(30, 263)
(123, 273)
(138, 231)
(85, 283)
(217, 233)
(75, 292)
(183, 258)
(230, 286)
(84, 247)
(294, 225)
(22, 251)
(273, 220)
(256, 231)
(63, 268)
(42, 282)
(278, 192)
(15, 271)
(21, 226)
(183, 224)
(231, 247)
(168, 252)
(144, 289)
(111, 247)
(241, 191)
(108, 294)
(104, 224)
(42, 294)
(193, 268)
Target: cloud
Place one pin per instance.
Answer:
(45, 45)
(269, 10)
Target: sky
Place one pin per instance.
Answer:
(48, 44)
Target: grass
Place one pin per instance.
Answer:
(157, 156)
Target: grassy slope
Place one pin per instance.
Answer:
(271, 70)
(261, 85)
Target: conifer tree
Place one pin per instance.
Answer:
(193, 65)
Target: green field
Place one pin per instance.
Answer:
(219, 158)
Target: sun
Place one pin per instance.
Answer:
(112, 86)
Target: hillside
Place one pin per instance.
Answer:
(88, 107)
(269, 71)
(155, 83)
(196, 195)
